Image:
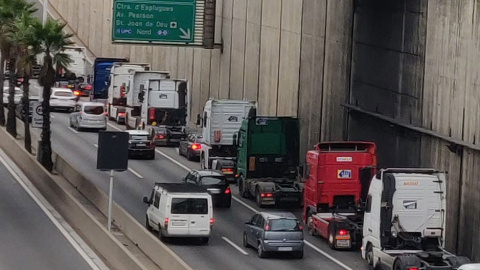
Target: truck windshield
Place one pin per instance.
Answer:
(97, 110)
(283, 224)
(189, 206)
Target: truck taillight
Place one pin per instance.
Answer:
(151, 113)
(122, 114)
(343, 232)
(267, 195)
(227, 170)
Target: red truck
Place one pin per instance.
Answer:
(336, 180)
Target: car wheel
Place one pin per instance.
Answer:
(299, 254)
(152, 156)
(147, 224)
(77, 127)
(260, 251)
(228, 204)
(245, 241)
(160, 233)
(189, 155)
(205, 240)
(70, 123)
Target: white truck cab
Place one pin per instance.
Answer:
(404, 221)
(180, 210)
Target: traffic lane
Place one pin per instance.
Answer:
(78, 149)
(28, 238)
(351, 258)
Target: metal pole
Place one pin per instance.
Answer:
(45, 11)
(110, 201)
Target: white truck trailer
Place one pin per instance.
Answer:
(118, 87)
(220, 122)
(404, 221)
(164, 106)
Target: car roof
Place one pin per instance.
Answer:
(277, 215)
(137, 132)
(61, 89)
(208, 173)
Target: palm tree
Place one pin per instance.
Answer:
(14, 9)
(27, 47)
(52, 41)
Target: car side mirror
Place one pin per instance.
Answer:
(199, 119)
(145, 200)
(247, 223)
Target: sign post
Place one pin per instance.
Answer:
(165, 22)
(37, 115)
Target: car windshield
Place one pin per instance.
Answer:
(97, 110)
(212, 180)
(139, 137)
(189, 206)
(284, 224)
(63, 94)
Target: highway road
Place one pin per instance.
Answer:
(30, 238)
(225, 250)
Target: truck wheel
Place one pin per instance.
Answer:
(241, 188)
(406, 262)
(311, 229)
(147, 224)
(457, 261)
(331, 237)
(369, 256)
(202, 161)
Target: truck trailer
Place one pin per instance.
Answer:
(221, 119)
(268, 159)
(404, 221)
(101, 77)
(120, 74)
(336, 180)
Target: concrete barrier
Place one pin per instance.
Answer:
(59, 194)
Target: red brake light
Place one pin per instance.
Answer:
(343, 232)
(196, 146)
(228, 190)
(166, 222)
(262, 195)
(300, 227)
(267, 227)
(227, 170)
(160, 136)
(151, 113)
(211, 221)
(88, 87)
(269, 195)
(413, 268)
(76, 93)
(121, 114)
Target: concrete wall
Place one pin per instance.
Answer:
(282, 53)
(418, 63)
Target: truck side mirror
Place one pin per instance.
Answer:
(235, 140)
(199, 118)
(141, 96)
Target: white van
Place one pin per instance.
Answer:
(180, 210)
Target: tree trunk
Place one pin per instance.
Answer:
(11, 119)
(48, 80)
(26, 111)
(2, 81)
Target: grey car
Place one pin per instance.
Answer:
(274, 232)
(191, 146)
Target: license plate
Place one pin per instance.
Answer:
(285, 249)
(343, 243)
(178, 223)
(141, 144)
(214, 191)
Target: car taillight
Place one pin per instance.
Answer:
(76, 93)
(413, 268)
(211, 221)
(166, 222)
(151, 113)
(228, 190)
(343, 232)
(160, 137)
(196, 146)
(88, 87)
(267, 227)
(300, 227)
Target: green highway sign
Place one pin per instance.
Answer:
(159, 21)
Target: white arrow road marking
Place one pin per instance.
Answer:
(187, 34)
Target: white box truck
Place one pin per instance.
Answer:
(117, 88)
(220, 122)
(404, 221)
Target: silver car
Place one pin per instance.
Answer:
(17, 97)
(62, 99)
(89, 115)
(274, 232)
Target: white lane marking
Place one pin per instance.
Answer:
(327, 255)
(119, 129)
(73, 130)
(72, 237)
(96, 145)
(136, 173)
(234, 245)
(256, 211)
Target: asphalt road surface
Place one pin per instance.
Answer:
(29, 239)
(225, 250)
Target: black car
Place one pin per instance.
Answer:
(191, 146)
(84, 89)
(215, 183)
(140, 144)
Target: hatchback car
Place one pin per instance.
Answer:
(274, 232)
(191, 146)
(62, 99)
(89, 115)
(141, 144)
(215, 183)
(17, 97)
